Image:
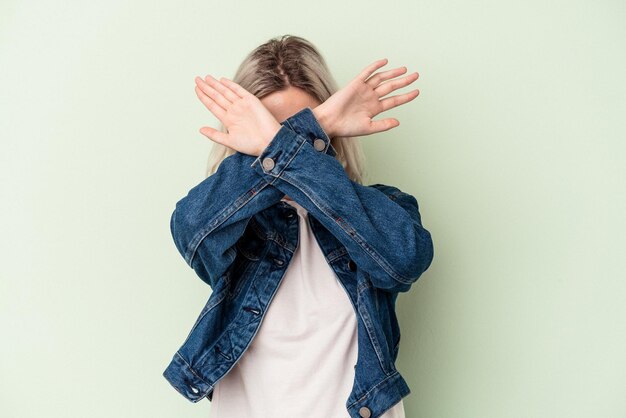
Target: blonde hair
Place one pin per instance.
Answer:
(285, 61)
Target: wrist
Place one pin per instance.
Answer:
(323, 118)
(269, 135)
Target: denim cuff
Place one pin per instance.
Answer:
(185, 380)
(278, 153)
(306, 124)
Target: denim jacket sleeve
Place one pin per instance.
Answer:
(379, 225)
(208, 221)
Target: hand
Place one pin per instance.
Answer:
(349, 111)
(249, 123)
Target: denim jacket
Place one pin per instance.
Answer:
(238, 236)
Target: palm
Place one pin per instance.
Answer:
(244, 121)
(250, 125)
(358, 103)
(354, 106)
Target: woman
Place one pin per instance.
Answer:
(301, 319)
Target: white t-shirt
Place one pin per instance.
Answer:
(301, 361)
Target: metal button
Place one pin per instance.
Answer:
(194, 389)
(268, 163)
(319, 144)
(279, 261)
(365, 412)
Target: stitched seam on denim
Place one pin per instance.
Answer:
(193, 371)
(375, 388)
(283, 243)
(335, 254)
(294, 124)
(217, 301)
(373, 254)
(292, 154)
(291, 125)
(319, 126)
(258, 325)
(180, 391)
(365, 316)
(328, 145)
(362, 286)
(245, 272)
(195, 243)
(341, 251)
(228, 330)
(333, 151)
(310, 119)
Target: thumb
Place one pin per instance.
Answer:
(384, 124)
(214, 135)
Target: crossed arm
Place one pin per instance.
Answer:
(379, 225)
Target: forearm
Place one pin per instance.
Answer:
(384, 236)
(208, 221)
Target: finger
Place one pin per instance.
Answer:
(212, 93)
(376, 79)
(383, 124)
(215, 135)
(236, 88)
(213, 107)
(363, 75)
(389, 86)
(393, 101)
(225, 91)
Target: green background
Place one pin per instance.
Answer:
(514, 149)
